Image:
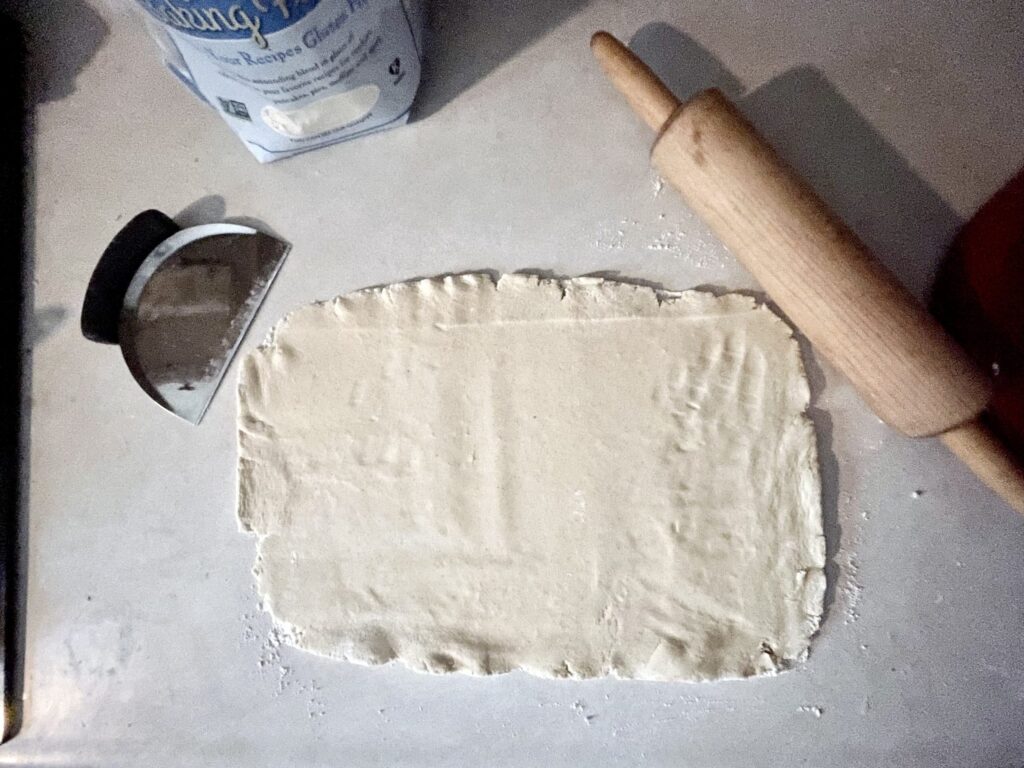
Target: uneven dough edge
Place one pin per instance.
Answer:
(380, 649)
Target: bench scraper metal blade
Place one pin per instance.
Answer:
(179, 301)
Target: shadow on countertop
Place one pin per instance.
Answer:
(466, 40)
(821, 135)
(61, 38)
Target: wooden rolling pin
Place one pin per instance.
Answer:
(911, 373)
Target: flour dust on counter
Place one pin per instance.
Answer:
(576, 478)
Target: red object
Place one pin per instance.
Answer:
(979, 297)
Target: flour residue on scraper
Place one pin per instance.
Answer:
(572, 477)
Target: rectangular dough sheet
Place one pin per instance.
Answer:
(572, 477)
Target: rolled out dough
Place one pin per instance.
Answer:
(575, 478)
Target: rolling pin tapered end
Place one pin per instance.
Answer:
(977, 446)
(646, 94)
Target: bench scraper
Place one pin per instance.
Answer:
(178, 302)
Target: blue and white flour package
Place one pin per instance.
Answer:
(289, 76)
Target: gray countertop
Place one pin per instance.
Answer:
(146, 643)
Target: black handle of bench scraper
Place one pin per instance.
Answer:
(101, 310)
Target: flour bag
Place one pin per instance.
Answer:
(288, 76)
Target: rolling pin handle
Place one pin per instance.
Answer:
(646, 94)
(988, 457)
